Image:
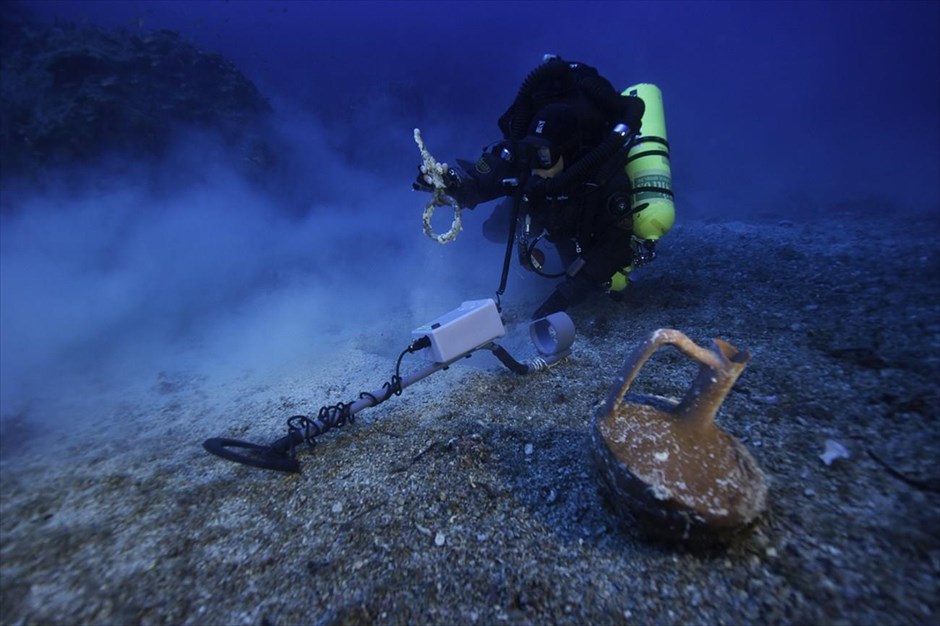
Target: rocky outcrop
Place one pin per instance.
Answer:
(71, 94)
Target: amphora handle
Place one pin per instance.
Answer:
(720, 367)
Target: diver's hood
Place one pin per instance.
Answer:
(552, 133)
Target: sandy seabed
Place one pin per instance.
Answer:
(472, 498)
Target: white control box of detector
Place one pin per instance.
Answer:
(473, 324)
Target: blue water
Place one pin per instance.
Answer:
(781, 109)
(766, 101)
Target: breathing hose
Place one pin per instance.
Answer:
(597, 89)
(523, 106)
(588, 164)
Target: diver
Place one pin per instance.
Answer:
(561, 163)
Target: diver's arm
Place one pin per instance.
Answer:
(471, 184)
(593, 269)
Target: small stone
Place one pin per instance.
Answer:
(809, 493)
(771, 553)
(834, 450)
(439, 539)
(529, 449)
(337, 508)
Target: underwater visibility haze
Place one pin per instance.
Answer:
(785, 108)
(774, 107)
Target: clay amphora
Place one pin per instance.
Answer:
(666, 464)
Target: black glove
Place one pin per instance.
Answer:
(454, 180)
(421, 184)
(572, 291)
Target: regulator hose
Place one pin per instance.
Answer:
(596, 88)
(630, 109)
(615, 105)
(523, 108)
(584, 167)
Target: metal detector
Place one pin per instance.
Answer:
(473, 326)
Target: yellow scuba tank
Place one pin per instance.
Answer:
(651, 177)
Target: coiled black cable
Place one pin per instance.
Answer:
(306, 429)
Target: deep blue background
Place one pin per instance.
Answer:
(781, 106)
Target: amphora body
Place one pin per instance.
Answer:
(668, 465)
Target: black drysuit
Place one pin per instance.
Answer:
(585, 210)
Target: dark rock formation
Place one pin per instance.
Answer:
(72, 94)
